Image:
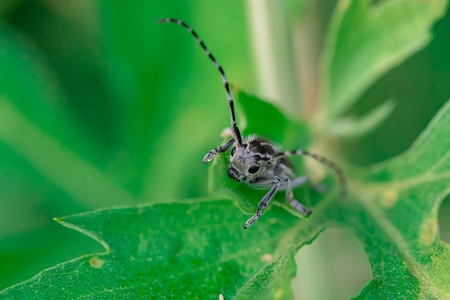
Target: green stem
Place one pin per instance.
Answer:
(275, 72)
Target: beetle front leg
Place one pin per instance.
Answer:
(213, 152)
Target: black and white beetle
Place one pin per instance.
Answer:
(256, 161)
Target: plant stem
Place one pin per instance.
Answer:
(276, 76)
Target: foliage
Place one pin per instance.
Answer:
(196, 248)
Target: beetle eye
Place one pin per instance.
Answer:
(233, 151)
(256, 157)
(253, 169)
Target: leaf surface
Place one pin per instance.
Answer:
(396, 217)
(365, 40)
(195, 249)
(198, 249)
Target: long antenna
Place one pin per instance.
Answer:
(324, 161)
(235, 130)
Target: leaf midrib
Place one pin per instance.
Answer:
(397, 239)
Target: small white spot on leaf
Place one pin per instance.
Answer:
(389, 198)
(267, 257)
(96, 262)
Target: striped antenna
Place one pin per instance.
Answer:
(324, 161)
(235, 130)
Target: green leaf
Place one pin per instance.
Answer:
(348, 127)
(265, 120)
(365, 40)
(276, 273)
(35, 126)
(395, 216)
(52, 160)
(195, 249)
(45, 157)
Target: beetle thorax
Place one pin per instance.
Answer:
(253, 159)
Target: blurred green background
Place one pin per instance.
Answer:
(99, 107)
